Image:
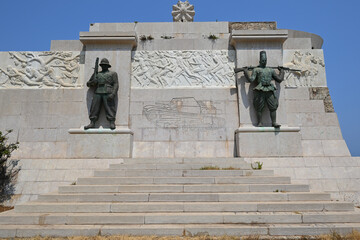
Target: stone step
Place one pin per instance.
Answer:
(157, 207)
(177, 161)
(183, 180)
(184, 197)
(181, 173)
(177, 218)
(182, 166)
(11, 231)
(218, 188)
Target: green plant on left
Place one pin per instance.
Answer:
(8, 168)
(257, 165)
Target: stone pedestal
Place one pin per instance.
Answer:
(268, 142)
(100, 143)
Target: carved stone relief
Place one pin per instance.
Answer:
(39, 69)
(166, 69)
(186, 112)
(311, 65)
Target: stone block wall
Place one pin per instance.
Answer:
(40, 119)
(183, 122)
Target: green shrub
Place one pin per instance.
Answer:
(8, 169)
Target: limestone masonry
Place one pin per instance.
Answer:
(178, 100)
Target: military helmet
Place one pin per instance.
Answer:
(104, 61)
(263, 55)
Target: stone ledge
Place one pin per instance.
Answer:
(267, 129)
(101, 131)
(108, 38)
(258, 35)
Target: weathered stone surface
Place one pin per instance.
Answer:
(252, 26)
(322, 93)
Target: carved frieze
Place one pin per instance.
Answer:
(311, 65)
(168, 69)
(39, 69)
(185, 112)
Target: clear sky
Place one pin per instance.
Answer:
(30, 25)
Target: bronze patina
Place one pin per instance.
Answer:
(106, 86)
(264, 92)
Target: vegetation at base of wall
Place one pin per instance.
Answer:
(144, 38)
(166, 37)
(5, 208)
(8, 168)
(257, 165)
(355, 235)
(213, 37)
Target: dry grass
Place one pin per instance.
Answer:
(218, 168)
(355, 235)
(4, 208)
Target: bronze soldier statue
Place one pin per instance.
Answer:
(106, 86)
(264, 92)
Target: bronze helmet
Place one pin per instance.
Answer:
(104, 61)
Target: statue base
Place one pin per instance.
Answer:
(268, 142)
(100, 143)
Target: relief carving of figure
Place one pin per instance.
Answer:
(43, 69)
(166, 69)
(309, 66)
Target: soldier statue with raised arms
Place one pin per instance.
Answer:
(106, 86)
(264, 92)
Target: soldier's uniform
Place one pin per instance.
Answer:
(264, 92)
(106, 86)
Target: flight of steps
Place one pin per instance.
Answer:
(175, 197)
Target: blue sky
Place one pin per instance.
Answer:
(31, 25)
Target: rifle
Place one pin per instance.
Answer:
(93, 80)
(236, 70)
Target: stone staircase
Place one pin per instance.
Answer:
(175, 197)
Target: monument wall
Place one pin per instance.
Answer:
(178, 97)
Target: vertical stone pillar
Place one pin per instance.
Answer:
(248, 44)
(262, 141)
(103, 142)
(116, 47)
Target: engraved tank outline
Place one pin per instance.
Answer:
(185, 112)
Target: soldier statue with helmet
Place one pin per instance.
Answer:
(106, 86)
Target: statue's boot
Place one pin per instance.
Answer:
(259, 115)
(91, 125)
(273, 119)
(112, 125)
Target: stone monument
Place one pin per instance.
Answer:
(180, 107)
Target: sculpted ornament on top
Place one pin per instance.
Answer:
(183, 12)
(166, 69)
(40, 70)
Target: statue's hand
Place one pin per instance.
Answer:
(111, 96)
(280, 68)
